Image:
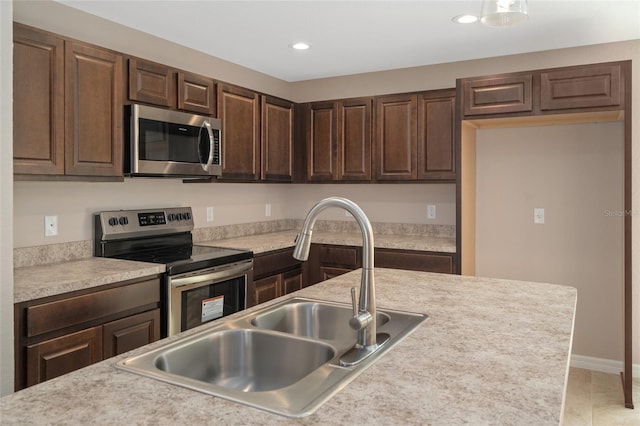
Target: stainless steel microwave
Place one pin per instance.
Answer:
(171, 143)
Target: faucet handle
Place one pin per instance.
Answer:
(353, 301)
(359, 320)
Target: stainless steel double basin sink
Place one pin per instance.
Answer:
(283, 358)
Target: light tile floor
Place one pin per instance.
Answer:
(596, 399)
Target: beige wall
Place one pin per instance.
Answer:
(574, 172)
(75, 202)
(63, 20)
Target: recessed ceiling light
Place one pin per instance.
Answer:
(300, 45)
(464, 19)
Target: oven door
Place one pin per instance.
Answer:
(198, 297)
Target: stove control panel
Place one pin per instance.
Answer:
(136, 223)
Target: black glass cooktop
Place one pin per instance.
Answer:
(188, 258)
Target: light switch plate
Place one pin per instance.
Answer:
(209, 214)
(267, 210)
(538, 215)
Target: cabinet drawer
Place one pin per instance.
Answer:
(583, 87)
(414, 261)
(273, 262)
(77, 310)
(336, 255)
(497, 95)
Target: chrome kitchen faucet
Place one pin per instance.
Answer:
(364, 316)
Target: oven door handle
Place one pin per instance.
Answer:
(214, 276)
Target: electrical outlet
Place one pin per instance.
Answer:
(50, 226)
(538, 215)
(209, 214)
(431, 211)
(267, 210)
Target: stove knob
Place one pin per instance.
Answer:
(179, 216)
(186, 216)
(171, 217)
(113, 221)
(123, 220)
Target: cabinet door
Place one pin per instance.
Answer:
(55, 357)
(129, 333)
(396, 137)
(196, 93)
(354, 140)
(93, 111)
(277, 139)
(291, 281)
(239, 110)
(267, 288)
(327, 272)
(497, 95)
(436, 114)
(151, 83)
(38, 102)
(581, 87)
(322, 141)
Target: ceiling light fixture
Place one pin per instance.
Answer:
(300, 45)
(504, 13)
(465, 19)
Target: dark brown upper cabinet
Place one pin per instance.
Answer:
(277, 139)
(93, 111)
(581, 87)
(196, 93)
(38, 102)
(436, 120)
(164, 86)
(68, 107)
(497, 95)
(575, 89)
(151, 83)
(338, 135)
(321, 136)
(354, 139)
(239, 111)
(396, 137)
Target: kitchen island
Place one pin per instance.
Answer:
(492, 352)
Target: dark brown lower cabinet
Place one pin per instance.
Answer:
(269, 288)
(414, 260)
(333, 260)
(129, 333)
(328, 272)
(62, 355)
(275, 273)
(60, 334)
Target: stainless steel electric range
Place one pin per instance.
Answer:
(201, 283)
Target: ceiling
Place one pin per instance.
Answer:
(351, 37)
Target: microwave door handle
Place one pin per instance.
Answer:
(207, 125)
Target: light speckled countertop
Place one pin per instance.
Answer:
(35, 282)
(492, 352)
(279, 240)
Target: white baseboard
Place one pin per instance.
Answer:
(601, 364)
